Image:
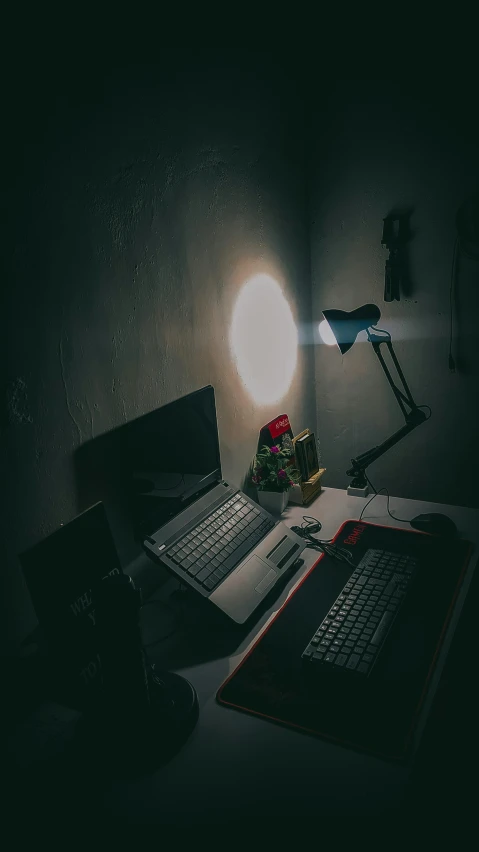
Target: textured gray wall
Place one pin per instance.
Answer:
(376, 146)
(141, 200)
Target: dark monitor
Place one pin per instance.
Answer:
(149, 470)
(60, 572)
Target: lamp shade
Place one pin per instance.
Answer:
(346, 325)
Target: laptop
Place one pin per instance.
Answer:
(201, 528)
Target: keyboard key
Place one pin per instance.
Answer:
(317, 655)
(210, 583)
(341, 659)
(353, 661)
(222, 570)
(329, 657)
(203, 574)
(363, 668)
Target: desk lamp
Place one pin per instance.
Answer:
(342, 328)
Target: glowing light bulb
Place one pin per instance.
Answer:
(326, 333)
(264, 339)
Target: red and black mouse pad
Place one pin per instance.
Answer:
(377, 714)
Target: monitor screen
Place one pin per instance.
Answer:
(174, 457)
(61, 570)
(149, 470)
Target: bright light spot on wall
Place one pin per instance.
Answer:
(326, 333)
(264, 339)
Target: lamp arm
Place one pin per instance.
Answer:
(361, 462)
(413, 415)
(404, 397)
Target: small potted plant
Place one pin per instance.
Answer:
(273, 476)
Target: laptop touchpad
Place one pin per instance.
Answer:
(257, 574)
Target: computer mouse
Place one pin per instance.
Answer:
(434, 524)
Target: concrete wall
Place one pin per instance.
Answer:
(141, 198)
(376, 146)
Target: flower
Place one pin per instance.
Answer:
(267, 473)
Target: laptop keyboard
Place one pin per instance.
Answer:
(213, 548)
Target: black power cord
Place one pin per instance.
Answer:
(466, 244)
(307, 531)
(452, 294)
(394, 517)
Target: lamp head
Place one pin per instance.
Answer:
(342, 327)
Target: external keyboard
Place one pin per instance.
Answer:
(355, 629)
(214, 547)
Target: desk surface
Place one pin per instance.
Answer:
(238, 766)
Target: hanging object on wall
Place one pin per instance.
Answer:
(467, 224)
(466, 244)
(396, 234)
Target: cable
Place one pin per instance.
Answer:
(452, 294)
(307, 529)
(394, 517)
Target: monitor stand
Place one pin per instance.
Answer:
(120, 746)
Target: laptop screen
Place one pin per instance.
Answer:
(174, 457)
(149, 470)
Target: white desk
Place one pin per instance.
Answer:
(237, 766)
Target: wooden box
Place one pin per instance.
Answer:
(306, 490)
